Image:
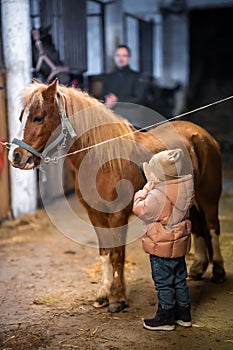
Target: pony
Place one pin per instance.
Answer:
(106, 151)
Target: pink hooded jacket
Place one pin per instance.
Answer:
(165, 210)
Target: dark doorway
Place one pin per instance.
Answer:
(211, 54)
(146, 47)
(211, 69)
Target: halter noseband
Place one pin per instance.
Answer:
(66, 128)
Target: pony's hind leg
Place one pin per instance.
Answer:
(209, 203)
(200, 263)
(218, 264)
(218, 271)
(199, 230)
(212, 233)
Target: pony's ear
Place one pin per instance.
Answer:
(51, 91)
(21, 116)
(34, 80)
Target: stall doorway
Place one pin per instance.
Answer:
(211, 71)
(211, 54)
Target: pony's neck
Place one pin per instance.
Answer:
(100, 132)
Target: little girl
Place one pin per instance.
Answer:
(163, 205)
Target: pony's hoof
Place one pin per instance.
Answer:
(218, 272)
(193, 277)
(101, 302)
(117, 307)
(197, 270)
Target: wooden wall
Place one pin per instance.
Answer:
(4, 165)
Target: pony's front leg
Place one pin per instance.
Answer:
(118, 231)
(112, 288)
(106, 281)
(112, 239)
(117, 297)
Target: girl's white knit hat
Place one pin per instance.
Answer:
(166, 164)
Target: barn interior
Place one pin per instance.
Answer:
(49, 280)
(181, 47)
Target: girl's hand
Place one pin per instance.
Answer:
(149, 185)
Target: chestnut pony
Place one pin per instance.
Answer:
(106, 155)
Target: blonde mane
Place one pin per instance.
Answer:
(92, 121)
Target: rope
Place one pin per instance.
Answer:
(145, 128)
(8, 144)
(2, 156)
(5, 144)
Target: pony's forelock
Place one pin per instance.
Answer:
(32, 95)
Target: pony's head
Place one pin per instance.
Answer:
(39, 118)
(52, 113)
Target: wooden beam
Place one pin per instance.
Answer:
(4, 168)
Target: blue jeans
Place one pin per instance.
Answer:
(169, 277)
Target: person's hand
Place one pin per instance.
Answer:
(149, 185)
(111, 100)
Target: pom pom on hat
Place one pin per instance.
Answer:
(165, 165)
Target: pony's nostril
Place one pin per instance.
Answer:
(17, 157)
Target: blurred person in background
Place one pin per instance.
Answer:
(123, 84)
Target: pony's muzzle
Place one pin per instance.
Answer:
(22, 159)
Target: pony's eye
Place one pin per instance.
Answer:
(38, 119)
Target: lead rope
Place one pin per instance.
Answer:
(147, 127)
(2, 153)
(8, 144)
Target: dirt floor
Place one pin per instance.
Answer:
(48, 284)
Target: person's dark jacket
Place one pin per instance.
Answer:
(126, 84)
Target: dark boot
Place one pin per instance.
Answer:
(163, 320)
(183, 316)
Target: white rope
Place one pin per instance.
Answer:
(145, 128)
(7, 144)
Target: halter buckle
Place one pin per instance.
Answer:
(47, 160)
(54, 160)
(65, 133)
